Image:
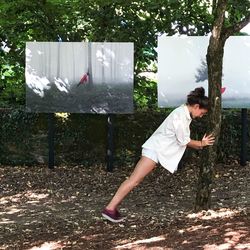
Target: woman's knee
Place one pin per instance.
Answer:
(134, 182)
(142, 169)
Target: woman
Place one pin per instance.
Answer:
(166, 146)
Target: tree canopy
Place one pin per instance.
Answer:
(94, 20)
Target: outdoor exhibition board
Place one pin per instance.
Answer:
(182, 67)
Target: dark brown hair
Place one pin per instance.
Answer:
(197, 96)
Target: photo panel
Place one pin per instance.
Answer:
(182, 67)
(79, 77)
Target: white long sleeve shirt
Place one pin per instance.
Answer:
(170, 140)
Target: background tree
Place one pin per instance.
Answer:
(201, 74)
(229, 17)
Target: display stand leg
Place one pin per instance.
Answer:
(51, 135)
(110, 148)
(243, 152)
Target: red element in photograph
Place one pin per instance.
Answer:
(222, 90)
(84, 79)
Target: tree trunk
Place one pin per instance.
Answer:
(58, 72)
(103, 75)
(90, 71)
(215, 54)
(214, 60)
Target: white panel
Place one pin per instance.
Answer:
(54, 70)
(181, 62)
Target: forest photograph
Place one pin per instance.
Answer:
(79, 77)
(182, 66)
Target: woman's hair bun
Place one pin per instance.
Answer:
(200, 92)
(197, 96)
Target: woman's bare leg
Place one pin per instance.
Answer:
(143, 168)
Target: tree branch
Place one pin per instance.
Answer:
(229, 31)
(214, 6)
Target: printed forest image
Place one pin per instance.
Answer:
(183, 66)
(78, 77)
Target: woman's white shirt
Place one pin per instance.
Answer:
(170, 140)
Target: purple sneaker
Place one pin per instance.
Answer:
(113, 216)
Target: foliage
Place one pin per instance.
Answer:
(237, 11)
(82, 138)
(93, 20)
(17, 129)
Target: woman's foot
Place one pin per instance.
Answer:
(112, 215)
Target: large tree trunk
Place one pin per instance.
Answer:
(90, 71)
(215, 54)
(214, 60)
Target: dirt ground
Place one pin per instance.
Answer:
(60, 209)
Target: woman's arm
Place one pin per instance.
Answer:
(206, 141)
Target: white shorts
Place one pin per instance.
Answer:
(150, 153)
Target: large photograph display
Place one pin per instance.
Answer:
(79, 77)
(182, 67)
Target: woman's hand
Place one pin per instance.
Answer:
(207, 140)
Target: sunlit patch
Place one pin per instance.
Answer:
(18, 197)
(217, 247)
(3, 201)
(149, 75)
(242, 246)
(234, 237)
(38, 84)
(144, 241)
(48, 246)
(4, 47)
(6, 221)
(14, 210)
(36, 196)
(231, 241)
(61, 85)
(196, 228)
(100, 56)
(105, 56)
(63, 116)
(32, 202)
(91, 237)
(39, 52)
(211, 214)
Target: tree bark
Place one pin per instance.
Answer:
(90, 71)
(215, 54)
(214, 57)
